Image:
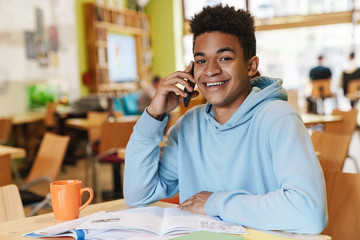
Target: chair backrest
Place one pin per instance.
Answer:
(293, 99)
(353, 86)
(5, 129)
(115, 134)
(343, 197)
(333, 149)
(49, 157)
(11, 207)
(98, 117)
(346, 126)
(50, 120)
(5, 170)
(321, 88)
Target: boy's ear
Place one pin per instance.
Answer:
(253, 66)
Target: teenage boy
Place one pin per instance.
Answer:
(245, 156)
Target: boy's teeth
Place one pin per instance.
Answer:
(215, 84)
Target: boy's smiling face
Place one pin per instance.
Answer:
(220, 71)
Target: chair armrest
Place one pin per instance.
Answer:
(36, 181)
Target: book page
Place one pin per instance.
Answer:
(66, 228)
(179, 221)
(145, 219)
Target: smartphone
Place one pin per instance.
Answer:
(189, 94)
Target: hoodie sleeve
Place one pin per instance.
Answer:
(299, 202)
(147, 179)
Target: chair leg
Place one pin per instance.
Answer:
(16, 173)
(96, 178)
(38, 206)
(89, 157)
(117, 178)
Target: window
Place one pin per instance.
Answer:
(279, 8)
(290, 53)
(192, 7)
(288, 50)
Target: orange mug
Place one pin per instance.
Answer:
(66, 198)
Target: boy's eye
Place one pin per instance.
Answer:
(200, 61)
(225, 59)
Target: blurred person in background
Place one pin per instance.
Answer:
(320, 71)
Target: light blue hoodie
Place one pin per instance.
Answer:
(260, 165)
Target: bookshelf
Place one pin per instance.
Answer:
(102, 19)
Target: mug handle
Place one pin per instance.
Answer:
(90, 197)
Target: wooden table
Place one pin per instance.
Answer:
(37, 115)
(14, 229)
(85, 124)
(311, 119)
(29, 117)
(15, 153)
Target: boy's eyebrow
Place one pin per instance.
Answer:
(225, 49)
(221, 50)
(199, 54)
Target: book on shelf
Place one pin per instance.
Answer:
(101, 56)
(101, 34)
(99, 14)
(138, 222)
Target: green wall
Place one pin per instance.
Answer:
(166, 35)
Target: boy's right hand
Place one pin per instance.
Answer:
(168, 96)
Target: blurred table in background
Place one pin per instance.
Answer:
(28, 117)
(15, 153)
(313, 119)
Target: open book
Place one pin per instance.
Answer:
(141, 222)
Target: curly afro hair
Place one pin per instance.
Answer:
(226, 19)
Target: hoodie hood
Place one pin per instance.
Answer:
(264, 89)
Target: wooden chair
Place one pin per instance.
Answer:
(99, 117)
(50, 119)
(94, 136)
(321, 88)
(11, 207)
(5, 129)
(353, 92)
(293, 99)
(333, 149)
(346, 126)
(113, 136)
(343, 197)
(5, 170)
(46, 167)
(353, 86)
